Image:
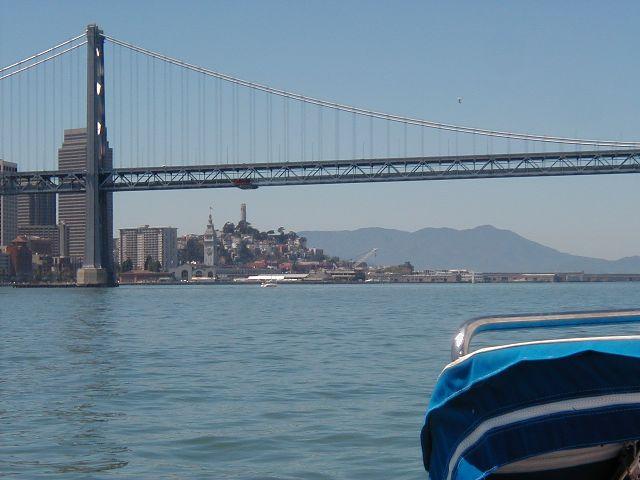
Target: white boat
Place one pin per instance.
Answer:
(268, 284)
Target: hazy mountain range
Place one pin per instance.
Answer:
(482, 249)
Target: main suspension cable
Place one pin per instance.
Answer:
(51, 57)
(44, 52)
(373, 113)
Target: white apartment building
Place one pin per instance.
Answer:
(159, 243)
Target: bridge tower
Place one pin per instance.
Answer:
(97, 266)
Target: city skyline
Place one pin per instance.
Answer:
(421, 71)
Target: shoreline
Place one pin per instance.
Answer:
(254, 284)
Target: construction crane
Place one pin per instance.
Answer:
(363, 258)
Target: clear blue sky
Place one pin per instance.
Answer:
(566, 68)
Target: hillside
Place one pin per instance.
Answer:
(482, 249)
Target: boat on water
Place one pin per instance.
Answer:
(268, 284)
(547, 409)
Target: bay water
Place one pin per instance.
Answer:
(240, 382)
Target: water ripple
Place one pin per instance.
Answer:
(308, 382)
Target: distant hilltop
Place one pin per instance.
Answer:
(482, 249)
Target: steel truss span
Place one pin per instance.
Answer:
(249, 176)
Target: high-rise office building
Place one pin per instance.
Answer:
(8, 209)
(72, 156)
(36, 209)
(63, 242)
(159, 243)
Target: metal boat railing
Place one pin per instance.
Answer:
(462, 340)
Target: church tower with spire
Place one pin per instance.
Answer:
(210, 242)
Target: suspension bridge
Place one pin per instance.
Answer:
(178, 125)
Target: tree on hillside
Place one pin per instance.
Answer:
(244, 254)
(223, 256)
(245, 228)
(194, 251)
(242, 227)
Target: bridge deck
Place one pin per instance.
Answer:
(254, 175)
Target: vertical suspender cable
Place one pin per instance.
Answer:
(74, 121)
(219, 112)
(354, 139)
(320, 134)
(60, 96)
(236, 123)
(239, 143)
(182, 119)
(79, 52)
(405, 140)
(21, 128)
(154, 113)
(388, 139)
(130, 106)
(217, 121)
(112, 97)
(337, 134)
(218, 116)
(197, 124)
(149, 120)
(187, 98)
(269, 130)
(202, 123)
(40, 140)
(45, 116)
(252, 121)
(286, 129)
(11, 122)
(165, 114)
(52, 88)
(26, 106)
(234, 116)
(171, 124)
(201, 119)
(232, 141)
(121, 130)
(137, 103)
(69, 102)
(205, 115)
(370, 137)
(66, 64)
(303, 132)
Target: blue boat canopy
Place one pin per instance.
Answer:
(500, 406)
